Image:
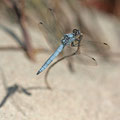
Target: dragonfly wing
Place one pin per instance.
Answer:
(85, 59)
(49, 35)
(82, 57)
(54, 24)
(51, 29)
(93, 46)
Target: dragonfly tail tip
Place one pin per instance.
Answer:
(38, 73)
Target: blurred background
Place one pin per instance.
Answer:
(92, 77)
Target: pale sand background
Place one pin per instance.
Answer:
(91, 93)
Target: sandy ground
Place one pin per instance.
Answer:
(90, 93)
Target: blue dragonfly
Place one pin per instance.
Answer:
(53, 33)
(66, 40)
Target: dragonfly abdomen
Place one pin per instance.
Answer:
(51, 58)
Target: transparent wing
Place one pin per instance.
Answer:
(49, 35)
(85, 59)
(89, 46)
(51, 29)
(82, 57)
(54, 24)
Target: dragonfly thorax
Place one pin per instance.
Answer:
(71, 37)
(68, 38)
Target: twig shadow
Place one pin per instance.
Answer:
(13, 35)
(22, 45)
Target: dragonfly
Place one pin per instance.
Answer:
(52, 31)
(66, 40)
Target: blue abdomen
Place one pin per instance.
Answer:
(51, 58)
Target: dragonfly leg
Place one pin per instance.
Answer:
(74, 44)
(78, 40)
(78, 44)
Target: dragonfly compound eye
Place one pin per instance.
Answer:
(76, 32)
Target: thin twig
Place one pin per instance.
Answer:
(76, 52)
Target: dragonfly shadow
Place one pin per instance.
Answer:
(11, 90)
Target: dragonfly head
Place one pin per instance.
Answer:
(76, 32)
(69, 38)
